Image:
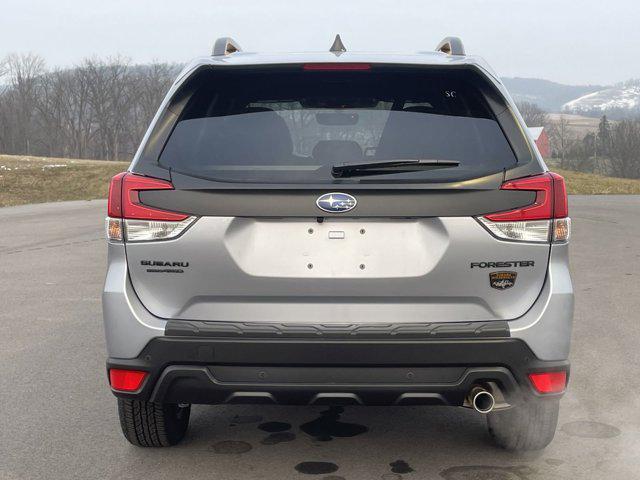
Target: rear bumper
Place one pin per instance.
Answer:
(433, 363)
(408, 371)
(545, 328)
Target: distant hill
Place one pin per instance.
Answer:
(618, 101)
(548, 95)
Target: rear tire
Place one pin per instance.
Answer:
(528, 426)
(147, 424)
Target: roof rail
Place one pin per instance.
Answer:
(225, 46)
(451, 46)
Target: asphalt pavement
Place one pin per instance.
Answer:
(58, 419)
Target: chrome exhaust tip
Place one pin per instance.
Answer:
(481, 399)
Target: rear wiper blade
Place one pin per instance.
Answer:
(390, 166)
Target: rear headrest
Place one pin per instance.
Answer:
(332, 151)
(418, 109)
(260, 137)
(257, 109)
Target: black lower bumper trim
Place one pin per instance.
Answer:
(194, 384)
(385, 331)
(305, 371)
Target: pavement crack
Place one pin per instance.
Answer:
(53, 245)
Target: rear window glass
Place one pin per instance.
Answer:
(292, 126)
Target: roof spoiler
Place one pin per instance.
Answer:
(225, 46)
(451, 46)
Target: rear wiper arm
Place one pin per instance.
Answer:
(390, 166)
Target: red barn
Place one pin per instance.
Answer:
(541, 138)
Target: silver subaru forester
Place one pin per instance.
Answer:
(338, 228)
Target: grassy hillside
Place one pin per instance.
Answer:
(590, 184)
(35, 180)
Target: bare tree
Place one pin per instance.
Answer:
(109, 98)
(49, 107)
(149, 86)
(533, 115)
(625, 149)
(24, 72)
(5, 124)
(4, 69)
(561, 139)
(77, 115)
(99, 109)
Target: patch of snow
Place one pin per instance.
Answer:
(55, 165)
(625, 98)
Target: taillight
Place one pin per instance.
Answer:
(126, 380)
(549, 382)
(114, 205)
(131, 220)
(546, 219)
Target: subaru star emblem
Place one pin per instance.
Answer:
(336, 202)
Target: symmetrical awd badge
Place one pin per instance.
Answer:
(502, 280)
(336, 202)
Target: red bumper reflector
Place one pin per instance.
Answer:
(126, 380)
(549, 382)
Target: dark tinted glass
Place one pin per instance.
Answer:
(291, 126)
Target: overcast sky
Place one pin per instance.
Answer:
(578, 42)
